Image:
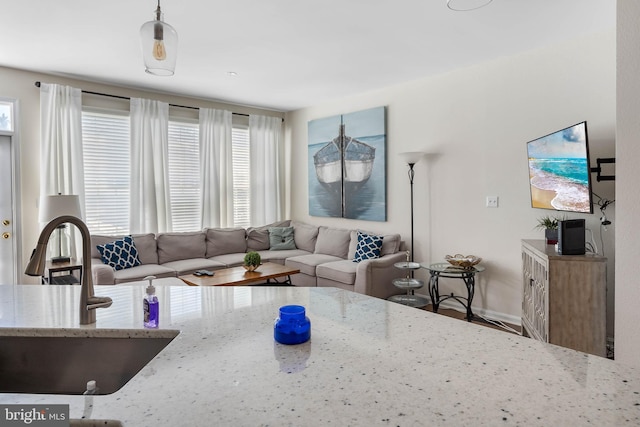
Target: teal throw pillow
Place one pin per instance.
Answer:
(281, 238)
(368, 247)
(120, 254)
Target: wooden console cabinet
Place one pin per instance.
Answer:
(564, 298)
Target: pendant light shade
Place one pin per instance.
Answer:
(159, 45)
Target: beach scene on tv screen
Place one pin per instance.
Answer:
(559, 170)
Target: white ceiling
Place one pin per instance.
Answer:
(288, 53)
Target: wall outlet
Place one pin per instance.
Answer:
(492, 201)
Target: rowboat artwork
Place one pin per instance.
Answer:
(347, 165)
(344, 161)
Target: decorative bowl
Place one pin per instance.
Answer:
(463, 261)
(251, 267)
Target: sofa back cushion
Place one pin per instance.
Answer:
(333, 241)
(222, 241)
(304, 235)
(145, 244)
(390, 244)
(258, 237)
(177, 246)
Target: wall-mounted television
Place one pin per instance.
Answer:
(559, 171)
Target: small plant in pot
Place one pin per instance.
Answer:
(252, 261)
(550, 226)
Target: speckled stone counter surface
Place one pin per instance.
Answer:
(369, 362)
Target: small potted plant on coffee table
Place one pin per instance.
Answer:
(251, 261)
(550, 226)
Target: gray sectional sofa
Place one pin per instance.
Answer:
(324, 256)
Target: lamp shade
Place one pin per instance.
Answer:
(52, 207)
(159, 42)
(412, 157)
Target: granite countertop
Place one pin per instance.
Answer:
(369, 362)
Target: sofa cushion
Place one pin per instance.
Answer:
(120, 253)
(145, 244)
(304, 235)
(142, 271)
(281, 238)
(307, 263)
(222, 241)
(390, 244)
(368, 247)
(333, 241)
(343, 271)
(280, 256)
(258, 237)
(230, 260)
(176, 246)
(189, 266)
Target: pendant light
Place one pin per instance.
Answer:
(159, 45)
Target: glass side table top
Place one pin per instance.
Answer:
(445, 267)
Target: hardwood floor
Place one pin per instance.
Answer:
(476, 321)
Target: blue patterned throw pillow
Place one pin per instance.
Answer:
(368, 247)
(120, 254)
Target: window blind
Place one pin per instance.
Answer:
(241, 171)
(184, 177)
(106, 172)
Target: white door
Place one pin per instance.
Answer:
(7, 244)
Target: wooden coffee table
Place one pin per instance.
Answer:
(267, 274)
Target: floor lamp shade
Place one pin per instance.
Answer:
(412, 157)
(52, 207)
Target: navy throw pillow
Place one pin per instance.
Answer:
(120, 254)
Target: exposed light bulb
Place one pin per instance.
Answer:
(159, 52)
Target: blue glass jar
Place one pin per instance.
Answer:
(293, 326)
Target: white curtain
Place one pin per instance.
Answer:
(61, 161)
(216, 168)
(150, 204)
(267, 169)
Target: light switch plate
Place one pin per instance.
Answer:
(492, 201)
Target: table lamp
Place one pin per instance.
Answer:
(52, 207)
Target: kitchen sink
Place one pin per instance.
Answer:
(41, 361)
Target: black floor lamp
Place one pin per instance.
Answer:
(409, 283)
(411, 158)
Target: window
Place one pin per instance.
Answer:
(240, 153)
(105, 137)
(184, 179)
(106, 148)
(6, 116)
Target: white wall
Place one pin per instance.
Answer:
(19, 84)
(628, 177)
(476, 122)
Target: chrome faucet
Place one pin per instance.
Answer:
(88, 301)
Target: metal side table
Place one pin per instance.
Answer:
(447, 270)
(409, 284)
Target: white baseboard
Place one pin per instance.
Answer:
(489, 314)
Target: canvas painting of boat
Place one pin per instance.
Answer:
(347, 156)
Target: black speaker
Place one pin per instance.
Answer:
(571, 237)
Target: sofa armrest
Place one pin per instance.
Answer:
(101, 273)
(374, 276)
